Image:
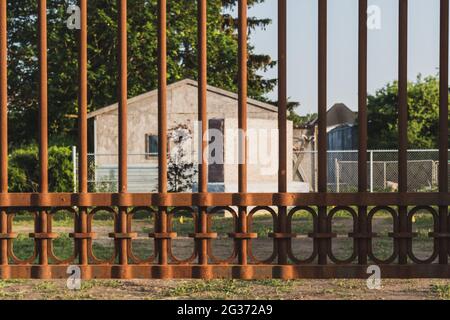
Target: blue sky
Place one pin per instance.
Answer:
(342, 47)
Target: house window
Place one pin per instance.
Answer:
(151, 145)
(216, 171)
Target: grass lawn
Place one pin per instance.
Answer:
(226, 289)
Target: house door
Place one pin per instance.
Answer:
(216, 172)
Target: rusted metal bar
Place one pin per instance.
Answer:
(162, 127)
(242, 124)
(443, 127)
(322, 127)
(362, 128)
(312, 271)
(41, 225)
(282, 126)
(403, 123)
(82, 130)
(282, 95)
(3, 129)
(123, 149)
(36, 200)
(203, 122)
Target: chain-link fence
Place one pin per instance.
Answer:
(382, 172)
(103, 173)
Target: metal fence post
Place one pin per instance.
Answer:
(364, 236)
(443, 240)
(242, 124)
(322, 161)
(4, 261)
(282, 143)
(42, 234)
(74, 164)
(122, 236)
(338, 175)
(402, 236)
(371, 171)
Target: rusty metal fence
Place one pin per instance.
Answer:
(322, 206)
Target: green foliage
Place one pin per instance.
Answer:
(423, 115)
(442, 290)
(24, 169)
(293, 116)
(102, 54)
(300, 121)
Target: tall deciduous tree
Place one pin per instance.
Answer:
(102, 53)
(423, 115)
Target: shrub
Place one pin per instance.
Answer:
(24, 169)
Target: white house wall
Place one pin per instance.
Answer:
(182, 109)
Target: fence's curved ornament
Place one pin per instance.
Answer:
(314, 253)
(250, 215)
(448, 228)
(435, 216)
(395, 229)
(233, 255)
(12, 255)
(91, 254)
(131, 255)
(170, 216)
(51, 252)
(354, 215)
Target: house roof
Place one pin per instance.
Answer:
(186, 82)
(337, 115)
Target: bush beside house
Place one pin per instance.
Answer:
(24, 169)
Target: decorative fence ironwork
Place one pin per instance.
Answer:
(322, 206)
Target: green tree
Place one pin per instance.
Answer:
(298, 120)
(102, 52)
(423, 115)
(23, 169)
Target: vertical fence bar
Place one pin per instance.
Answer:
(74, 169)
(322, 127)
(242, 124)
(403, 123)
(338, 175)
(443, 128)
(41, 226)
(82, 130)
(203, 121)
(362, 129)
(3, 130)
(282, 125)
(123, 149)
(372, 183)
(162, 126)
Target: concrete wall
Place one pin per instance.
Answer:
(262, 155)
